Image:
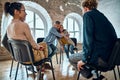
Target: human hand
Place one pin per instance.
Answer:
(62, 34)
(41, 48)
(80, 64)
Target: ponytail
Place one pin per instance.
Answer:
(10, 7)
(6, 8)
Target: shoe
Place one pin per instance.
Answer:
(99, 78)
(30, 69)
(73, 68)
(75, 49)
(86, 72)
(47, 66)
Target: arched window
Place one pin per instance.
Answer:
(36, 24)
(73, 23)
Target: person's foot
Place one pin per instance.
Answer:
(30, 69)
(73, 68)
(75, 48)
(101, 77)
(47, 66)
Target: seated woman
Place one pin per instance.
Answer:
(20, 30)
(66, 42)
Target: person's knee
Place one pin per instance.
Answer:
(70, 59)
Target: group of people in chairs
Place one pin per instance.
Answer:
(99, 37)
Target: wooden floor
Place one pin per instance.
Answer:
(62, 72)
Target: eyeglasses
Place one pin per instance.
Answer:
(22, 10)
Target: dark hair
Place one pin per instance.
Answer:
(10, 7)
(57, 22)
(91, 4)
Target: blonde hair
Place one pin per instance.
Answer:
(91, 4)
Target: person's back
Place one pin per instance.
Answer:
(99, 37)
(104, 35)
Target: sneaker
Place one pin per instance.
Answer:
(73, 68)
(75, 48)
(101, 77)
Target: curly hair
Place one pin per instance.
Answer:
(91, 4)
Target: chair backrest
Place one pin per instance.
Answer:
(115, 56)
(22, 50)
(74, 40)
(40, 40)
(4, 42)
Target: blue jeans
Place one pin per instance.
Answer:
(68, 48)
(51, 50)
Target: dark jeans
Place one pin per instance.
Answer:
(51, 50)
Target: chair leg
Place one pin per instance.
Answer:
(61, 56)
(78, 75)
(33, 71)
(26, 71)
(52, 70)
(16, 71)
(11, 68)
(56, 58)
(118, 71)
(97, 74)
(39, 73)
(114, 74)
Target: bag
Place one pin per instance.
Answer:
(39, 55)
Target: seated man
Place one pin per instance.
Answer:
(99, 37)
(51, 37)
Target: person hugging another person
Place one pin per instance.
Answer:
(67, 44)
(52, 36)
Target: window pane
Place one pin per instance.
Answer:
(77, 36)
(39, 22)
(76, 26)
(29, 18)
(70, 24)
(39, 33)
(65, 24)
(71, 34)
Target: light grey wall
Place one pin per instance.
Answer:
(111, 9)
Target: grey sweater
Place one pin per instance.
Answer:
(52, 35)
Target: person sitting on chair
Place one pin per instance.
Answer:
(99, 37)
(66, 42)
(51, 37)
(20, 30)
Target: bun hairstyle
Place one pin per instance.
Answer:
(10, 7)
